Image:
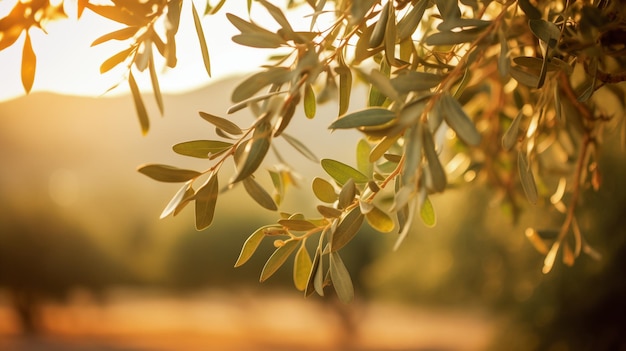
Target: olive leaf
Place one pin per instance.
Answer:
(206, 199)
(341, 172)
(302, 265)
(346, 229)
(341, 278)
(278, 258)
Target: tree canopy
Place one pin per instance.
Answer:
(515, 94)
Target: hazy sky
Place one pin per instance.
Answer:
(66, 62)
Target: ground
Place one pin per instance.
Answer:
(242, 320)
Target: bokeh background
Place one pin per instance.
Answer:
(86, 264)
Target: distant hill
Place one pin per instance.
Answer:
(82, 153)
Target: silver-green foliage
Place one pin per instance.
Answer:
(495, 91)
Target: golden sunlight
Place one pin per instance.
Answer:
(68, 64)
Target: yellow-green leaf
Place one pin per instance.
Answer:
(380, 220)
(341, 172)
(323, 190)
(309, 101)
(298, 225)
(254, 152)
(302, 265)
(201, 148)
(252, 243)
(427, 213)
(278, 258)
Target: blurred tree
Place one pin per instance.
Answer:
(43, 257)
(513, 94)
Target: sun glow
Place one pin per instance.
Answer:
(68, 64)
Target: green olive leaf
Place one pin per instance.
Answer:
(341, 278)
(278, 258)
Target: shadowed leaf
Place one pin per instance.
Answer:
(221, 123)
(254, 152)
(526, 178)
(373, 116)
(256, 191)
(459, 121)
(510, 136)
(206, 199)
(341, 278)
(170, 174)
(347, 229)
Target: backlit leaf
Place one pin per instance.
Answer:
(29, 64)
(252, 243)
(116, 59)
(380, 220)
(121, 34)
(347, 229)
(118, 14)
(176, 200)
(140, 108)
(309, 101)
(526, 178)
(341, 172)
(323, 190)
(459, 121)
(201, 39)
(427, 213)
(206, 199)
(278, 258)
(363, 163)
(258, 194)
(201, 148)
(302, 267)
(341, 278)
(221, 123)
(373, 116)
